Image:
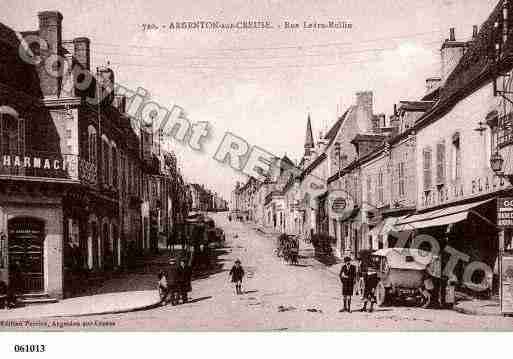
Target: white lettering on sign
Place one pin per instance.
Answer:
(33, 162)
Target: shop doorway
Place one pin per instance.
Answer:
(26, 261)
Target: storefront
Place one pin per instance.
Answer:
(31, 231)
(467, 231)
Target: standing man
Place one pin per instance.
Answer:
(183, 278)
(347, 277)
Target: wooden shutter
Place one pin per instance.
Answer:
(427, 168)
(440, 163)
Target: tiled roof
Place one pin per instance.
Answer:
(474, 70)
(332, 133)
(8, 36)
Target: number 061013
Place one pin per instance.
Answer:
(30, 348)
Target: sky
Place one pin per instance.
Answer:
(261, 84)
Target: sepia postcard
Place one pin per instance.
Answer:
(255, 166)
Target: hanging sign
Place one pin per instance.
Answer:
(505, 212)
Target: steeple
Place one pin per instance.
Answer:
(309, 142)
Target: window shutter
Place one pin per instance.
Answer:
(427, 168)
(440, 163)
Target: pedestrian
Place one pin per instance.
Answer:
(16, 286)
(370, 282)
(183, 276)
(163, 287)
(347, 277)
(237, 273)
(427, 289)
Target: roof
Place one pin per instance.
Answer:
(398, 258)
(285, 159)
(416, 105)
(8, 36)
(332, 133)
(474, 69)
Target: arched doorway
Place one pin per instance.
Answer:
(26, 248)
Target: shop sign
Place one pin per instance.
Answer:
(452, 192)
(507, 283)
(505, 212)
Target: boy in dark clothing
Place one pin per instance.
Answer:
(237, 273)
(370, 281)
(183, 277)
(163, 287)
(347, 277)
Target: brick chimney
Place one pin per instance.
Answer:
(82, 51)
(364, 100)
(451, 53)
(50, 29)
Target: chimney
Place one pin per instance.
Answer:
(50, 29)
(450, 53)
(364, 100)
(82, 51)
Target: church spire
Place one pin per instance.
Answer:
(309, 142)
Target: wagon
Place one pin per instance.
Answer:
(401, 273)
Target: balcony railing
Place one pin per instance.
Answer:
(51, 165)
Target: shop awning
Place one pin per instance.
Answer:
(385, 226)
(439, 217)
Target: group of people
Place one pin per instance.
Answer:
(176, 285)
(348, 278)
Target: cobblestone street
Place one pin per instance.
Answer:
(279, 296)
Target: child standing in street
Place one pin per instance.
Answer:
(370, 282)
(237, 273)
(163, 287)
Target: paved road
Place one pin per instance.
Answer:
(308, 295)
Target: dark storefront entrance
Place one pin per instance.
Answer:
(26, 244)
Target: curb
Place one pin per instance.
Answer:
(79, 315)
(475, 312)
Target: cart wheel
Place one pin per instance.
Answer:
(381, 295)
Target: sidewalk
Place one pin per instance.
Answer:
(479, 307)
(110, 303)
(121, 292)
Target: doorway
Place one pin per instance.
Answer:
(26, 260)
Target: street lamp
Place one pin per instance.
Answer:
(496, 162)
